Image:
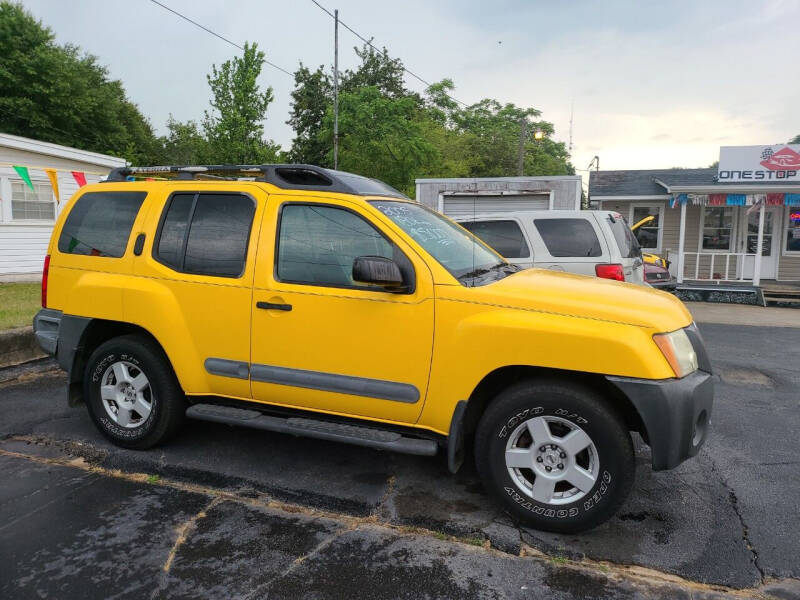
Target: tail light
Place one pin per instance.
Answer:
(610, 272)
(45, 273)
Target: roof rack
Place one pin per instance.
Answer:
(284, 176)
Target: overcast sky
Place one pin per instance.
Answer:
(654, 84)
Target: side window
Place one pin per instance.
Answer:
(568, 237)
(206, 234)
(100, 223)
(317, 244)
(504, 236)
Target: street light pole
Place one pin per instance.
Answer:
(336, 89)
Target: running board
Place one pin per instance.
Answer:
(323, 430)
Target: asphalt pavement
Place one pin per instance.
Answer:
(237, 513)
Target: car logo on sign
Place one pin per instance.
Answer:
(782, 160)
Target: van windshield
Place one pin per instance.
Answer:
(461, 253)
(626, 241)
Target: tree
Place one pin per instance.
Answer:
(185, 144)
(311, 98)
(58, 94)
(377, 69)
(795, 140)
(380, 137)
(496, 128)
(235, 126)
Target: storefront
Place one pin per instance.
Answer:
(736, 223)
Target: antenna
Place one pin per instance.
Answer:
(571, 113)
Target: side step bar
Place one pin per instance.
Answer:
(324, 430)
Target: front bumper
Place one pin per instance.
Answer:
(676, 414)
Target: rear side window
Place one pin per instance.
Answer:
(628, 246)
(504, 236)
(206, 234)
(568, 237)
(100, 223)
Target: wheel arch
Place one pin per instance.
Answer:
(95, 332)
(499, 379)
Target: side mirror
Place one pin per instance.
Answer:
(378, 270)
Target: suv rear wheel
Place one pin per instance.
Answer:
(131, 392)
(555, 455)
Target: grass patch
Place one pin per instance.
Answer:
(475, 541)
(153, 478)
(559, 559)
(18, 303)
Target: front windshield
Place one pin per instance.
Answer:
(457, 250)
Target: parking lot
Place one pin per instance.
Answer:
(224, 512)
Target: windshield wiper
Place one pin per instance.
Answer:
(484, 270)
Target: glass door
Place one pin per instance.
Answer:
(769, 248)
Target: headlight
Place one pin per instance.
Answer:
(678, 351)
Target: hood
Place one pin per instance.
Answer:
(584, 296)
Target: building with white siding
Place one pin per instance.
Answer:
(27, 216)
(734, 224)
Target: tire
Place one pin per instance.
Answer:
(136, 413)
(520, 419)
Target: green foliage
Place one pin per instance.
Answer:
(234, 128)
(380, 137)
(377, 69)
(795, 139)
(185, 144)
(58, 94)
(393, 134)
(311, 99)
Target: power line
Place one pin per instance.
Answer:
(215, 34)
(369, 43)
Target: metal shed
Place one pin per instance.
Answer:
(466, 196)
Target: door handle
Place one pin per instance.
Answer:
(273, 306)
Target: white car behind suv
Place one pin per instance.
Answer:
(588, 242)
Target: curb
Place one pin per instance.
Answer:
(18, 346)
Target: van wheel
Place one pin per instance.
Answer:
(555, 455)
(132, 394)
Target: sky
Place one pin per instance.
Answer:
(650, 84)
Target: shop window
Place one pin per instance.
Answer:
(35, 204)
(793, 230)
(717, 227)
(649, 234)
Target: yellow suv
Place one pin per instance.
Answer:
(319, 303)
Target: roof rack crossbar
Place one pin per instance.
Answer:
(285, 176)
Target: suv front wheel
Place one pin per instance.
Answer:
(132, 394)
(555, 455)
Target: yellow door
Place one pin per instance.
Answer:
(320, 341)
(193, 288)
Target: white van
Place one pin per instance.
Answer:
(589, 242)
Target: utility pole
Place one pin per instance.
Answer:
(336, 89)
(521, 151)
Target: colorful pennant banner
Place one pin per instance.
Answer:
(52, 175)
(752, 200)
(24, 175)
(80, 178)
